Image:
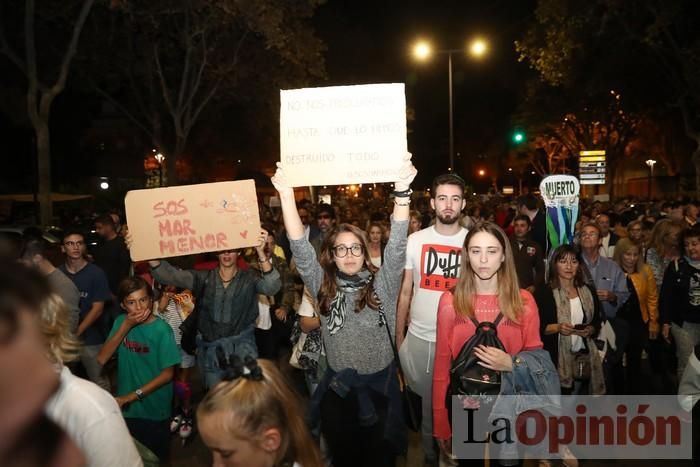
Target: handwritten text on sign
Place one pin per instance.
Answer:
(191, 219)
(343, 134)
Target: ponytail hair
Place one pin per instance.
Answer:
(258, 398)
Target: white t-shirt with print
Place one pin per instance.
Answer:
(435, 261)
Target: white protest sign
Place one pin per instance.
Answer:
(185, 220)
(343, 134)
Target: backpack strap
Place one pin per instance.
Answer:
(495, 322)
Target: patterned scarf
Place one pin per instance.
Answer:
(345, 284)
(566, 356)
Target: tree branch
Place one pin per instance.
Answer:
(124, 110)
(72, 48)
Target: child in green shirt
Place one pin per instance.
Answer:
(146, 354)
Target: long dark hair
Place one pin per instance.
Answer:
(560, 253)
(328, 286)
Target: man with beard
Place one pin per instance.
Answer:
(432, 265)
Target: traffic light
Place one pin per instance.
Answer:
(518, 136)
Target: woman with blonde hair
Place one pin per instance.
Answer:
(640, 311)
(487, 288)
(664, 247)
(88, 413)
(254, 419)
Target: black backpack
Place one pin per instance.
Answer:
(467, 377)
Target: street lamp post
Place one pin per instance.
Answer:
(650, 163)
(160, 158)
(422, 51)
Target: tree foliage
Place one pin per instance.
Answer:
(166, 61)
(647, 50)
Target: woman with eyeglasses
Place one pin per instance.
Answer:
(358, 398)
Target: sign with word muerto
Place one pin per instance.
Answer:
(343, 134)
(185, 220)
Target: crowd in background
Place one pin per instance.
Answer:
(624, 298)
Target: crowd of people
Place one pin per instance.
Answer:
(350, 298)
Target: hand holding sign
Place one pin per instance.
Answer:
(281, 183)
(406, 174)
(184, 220)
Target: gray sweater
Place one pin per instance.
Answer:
(361, 344)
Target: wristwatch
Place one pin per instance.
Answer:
(139, 394)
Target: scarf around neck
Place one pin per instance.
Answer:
(566, 357)
(345, 284)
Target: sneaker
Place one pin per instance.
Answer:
(176, 422)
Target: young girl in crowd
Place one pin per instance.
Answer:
(174, 307)
(375, 236)
(487, 286)
(253, 419)
(146, 356)
(358, 397)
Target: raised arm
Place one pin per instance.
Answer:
(389, 275)
(290, 215)
(304, 254)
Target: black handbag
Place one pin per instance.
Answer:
(412, 402)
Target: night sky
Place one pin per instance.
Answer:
(367, 42)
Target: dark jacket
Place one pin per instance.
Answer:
(679, 301)
(529, 262)
(547, 307)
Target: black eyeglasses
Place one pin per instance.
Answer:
(341, 251)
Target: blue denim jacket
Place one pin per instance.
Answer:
(534, 376)
(242, 345)
(348, 383)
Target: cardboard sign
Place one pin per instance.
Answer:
(561, 196)
(185, 220)
(343, 134)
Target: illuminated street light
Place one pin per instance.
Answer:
(104, 185)
(650, 163)
(478, 48)
(422, 51)
(160, 158)
(482, 172)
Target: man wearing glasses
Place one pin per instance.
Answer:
(93, 287)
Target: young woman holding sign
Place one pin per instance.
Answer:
(358, 399)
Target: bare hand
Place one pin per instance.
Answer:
(135, 318)
(122, 401)
(128, 240)
(606, 295)
(566, 329)
(280, 182)
(653, 334)
(281, 313)
(493, 358)
(666, 332)
(407, 173)
(585, 332)
(260, 247)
